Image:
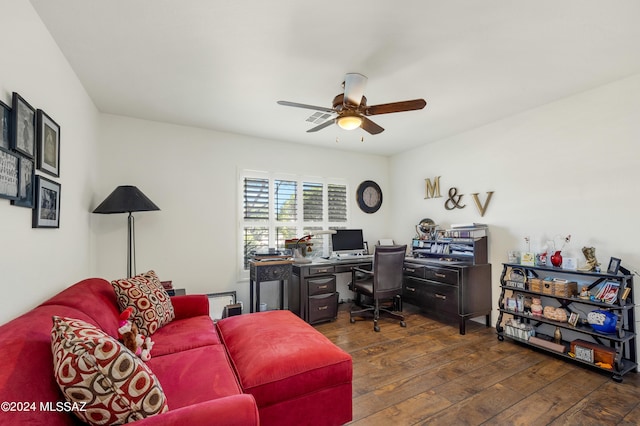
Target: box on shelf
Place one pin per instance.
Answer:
(601, 353)
(535, 284)
(519, 330)
(565, 288)
(547, 287)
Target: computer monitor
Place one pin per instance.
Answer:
(347, 242)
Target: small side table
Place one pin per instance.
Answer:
(272, 270)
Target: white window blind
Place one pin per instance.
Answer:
(275, 209)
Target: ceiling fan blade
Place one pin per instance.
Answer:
(322, 126)
(297, 105)
(371, 127)
(396, 107)
(354, 85)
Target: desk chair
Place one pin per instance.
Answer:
(383, 283)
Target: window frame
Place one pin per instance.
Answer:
(299, 224)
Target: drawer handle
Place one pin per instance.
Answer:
(322, 270)
(410, 269)
(320, 287)
(440, 275)
(323, 308)
(410, 288)
(441, 296)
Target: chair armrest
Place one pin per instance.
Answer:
(364, 271)
(235, 410)
(190, 305)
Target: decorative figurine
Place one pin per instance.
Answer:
(584, 293)
(592, 263)
(536, 306)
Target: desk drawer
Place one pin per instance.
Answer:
(412, 270)
(322, 285)
(321, 270)
(323, 308)
(442, 275)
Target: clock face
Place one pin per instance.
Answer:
(369, 196)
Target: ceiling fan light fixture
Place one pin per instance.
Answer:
(349, 122)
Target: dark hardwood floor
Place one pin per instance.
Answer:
(427, 373)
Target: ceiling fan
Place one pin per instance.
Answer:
(351, 110)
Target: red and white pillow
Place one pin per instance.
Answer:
(151, 303)
(110, 383)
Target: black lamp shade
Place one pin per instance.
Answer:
(126, 199)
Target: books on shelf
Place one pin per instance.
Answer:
(472, 225)
(467, 233)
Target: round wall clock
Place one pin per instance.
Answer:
(369, 196)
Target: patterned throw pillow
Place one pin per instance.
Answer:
(151, 303)
(105, 380)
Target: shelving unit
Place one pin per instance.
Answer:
(622, 342)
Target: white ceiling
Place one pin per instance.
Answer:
(223, 64)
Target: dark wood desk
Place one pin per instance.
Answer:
(312, 292)
(273, 270)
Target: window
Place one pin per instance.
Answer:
(276, 208)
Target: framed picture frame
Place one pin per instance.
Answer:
(584, 354)
(48, 144)
(614, 265)
(23, 126)
(26, 178)
(5, 120)
(217, 302)
(573, 319)
(9, 174)
(46, 210)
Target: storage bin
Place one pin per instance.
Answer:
(565, 289)
(535, 284)
(547, 287)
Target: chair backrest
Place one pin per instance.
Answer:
(387, 269)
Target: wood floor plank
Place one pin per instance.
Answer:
(429, 374)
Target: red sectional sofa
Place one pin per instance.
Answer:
(268, 368)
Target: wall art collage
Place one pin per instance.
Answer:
(30, 146)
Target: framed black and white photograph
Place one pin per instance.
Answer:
(5, 119)
(46, 211)
(614, 265)
(48, 144)
(26, 177)
(23, 125)
(9, 177)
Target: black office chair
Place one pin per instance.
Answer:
(383, 283)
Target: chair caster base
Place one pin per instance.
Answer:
(403, 324)
(352, 320)
(376, 328)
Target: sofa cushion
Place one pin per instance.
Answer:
(103, 377)
(195, 375)
(181, 335)
(279, 357)
(96, 298)
(150, 301)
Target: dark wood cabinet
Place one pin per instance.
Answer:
(449, 292)
(312, 295)
(449, 278)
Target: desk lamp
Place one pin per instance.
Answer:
(127, 199)
(297, 255)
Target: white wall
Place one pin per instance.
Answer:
(192, 175)
(569, 167)
(37, 263)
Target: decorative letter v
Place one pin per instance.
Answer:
(479, 206)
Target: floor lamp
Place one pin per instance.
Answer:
(127, 199)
